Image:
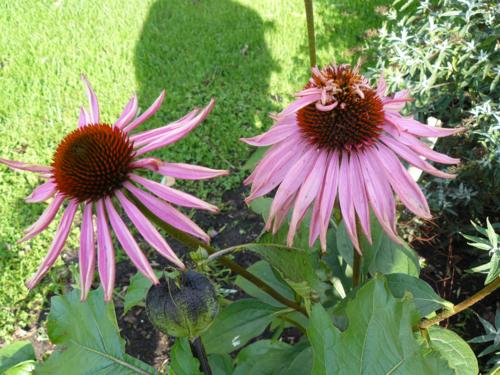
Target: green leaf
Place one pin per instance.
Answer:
(266, 357)
(264, 271)
(87, 338)
(22, 368)
(300, 364)
(15, 353)
(136, 292)
(261, 206)
(378, 340)
(494, 268)
(492, 236)
(236, 324)
(182, 361)
(254, 159)
(426, 300)
(383, 255)
(459, 355)
(220, 364)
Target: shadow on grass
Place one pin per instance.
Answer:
(198, 50)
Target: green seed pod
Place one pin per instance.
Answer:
(184, 310)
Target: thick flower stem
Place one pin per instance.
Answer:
(356, 268)
(199, 352)
(310, 31)
(488, 289)
(233, 266)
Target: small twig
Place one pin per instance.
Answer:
(488, 289)
(356, 268)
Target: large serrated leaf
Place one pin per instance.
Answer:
(236, 324)
(378, 340)
(87, 338)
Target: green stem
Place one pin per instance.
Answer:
(199, 352)
(356, 268)
(193, 242)
(487, 290)
(310, 31)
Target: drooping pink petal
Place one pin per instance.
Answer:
(274, 135)
(308, 191)
(129, 112)
(105, 253)
(84, 118)
(178, 170)
(402, 183)
(148, 231)
(281, 214)
(379, 193)
(328, 196)
(167, 213)
(179, 133)
(274, 172)
(293, 179)
(173, 195)
(42, 192)
(300, 103)
(359, 197)
(128, 243)
(420, 147)
(44, 220)
(146, 114)
(309, 91)
(346, 201)
(57, 244)
(417, 128)
(148, 136)
(413, 158)
(94, 105)
(26, 167)
(86, 254)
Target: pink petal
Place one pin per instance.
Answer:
(381, 86)
(167, 213)
(173, 195)
(105, 253)
(87, 251)
(293, 179)
(148, 136)
(148, 231)
(147, 114)
(359, 197)
(402, 183)
(274, 135)
(129, 112)
(323, 206)
(307, 193)
(281, 214)
(379, 193)
(177, 134)
(128, 243)
(57, 244)
(42, 192)
(417, 128)
(94, 106)
(26, 167)
(44, 220)
(271, 174)
(326, 108)
(309, 91)
(413, 158)
(84, 118)
(179, 170)
(302, 102)
(346, 201)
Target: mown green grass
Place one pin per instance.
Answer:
(250, 55)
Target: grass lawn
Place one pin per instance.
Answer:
(251, 55)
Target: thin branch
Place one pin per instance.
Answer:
(310, 31)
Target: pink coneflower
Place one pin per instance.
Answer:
(98, 162)
(342, 140)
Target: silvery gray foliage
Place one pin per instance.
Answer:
(446, 52)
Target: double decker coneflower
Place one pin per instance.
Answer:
(342, 141)
(95, 168)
